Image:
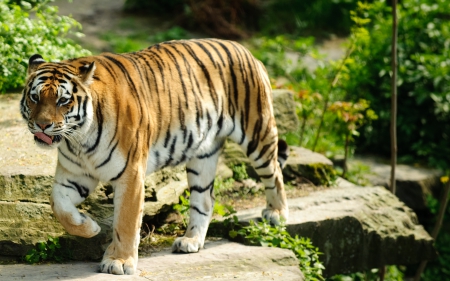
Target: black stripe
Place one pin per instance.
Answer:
(214, 151)
(253, 144)
(199, 189)
(231, 69)
(205, 71)
(130, 81)
(99, 129)
(200, 212)
(263, 151)
(206, 52)
(77, 117)
(69, 147)
(264, 165)
(175, 62)
(82, 190)
(266, 176)
(217, 51)
(123, 170)
(109, 156)
(68, 158)
(188, 170)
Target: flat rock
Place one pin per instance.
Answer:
(220, 260)
(357, 228)
(413, 184)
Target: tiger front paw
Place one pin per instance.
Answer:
(118, 266)
(187, 245)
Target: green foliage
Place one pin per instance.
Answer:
(221, 185)
(307, 17)
(357, 173)
(27, 30)
(439, 269)
(264, 234)
(45, 251)
(315, 89)
(136, 41)
(393, 273)
(423, 79)
(273, 53)
(125, 44)
(240, 172)
(173, 33)
(351, 115)
(183, 206)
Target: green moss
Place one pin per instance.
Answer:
(320, 174)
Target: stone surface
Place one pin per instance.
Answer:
(220, 260)
(284, 111)
(310, 165)
(413, 184)
(301, 163)
(357, 228)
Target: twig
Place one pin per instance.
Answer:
(437, 227)
(394, 95)
(332, 85)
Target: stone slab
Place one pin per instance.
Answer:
(357, 228)
(413, 184)
(284, 111)
(220, 260)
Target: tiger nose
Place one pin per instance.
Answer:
(44, 126)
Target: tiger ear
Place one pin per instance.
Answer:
(86, 73)
(33, 63)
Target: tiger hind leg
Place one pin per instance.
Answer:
(268, 156)
(200, 172)
(277, 207)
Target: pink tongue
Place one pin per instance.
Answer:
(44, 138)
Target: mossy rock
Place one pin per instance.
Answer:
(309, 165)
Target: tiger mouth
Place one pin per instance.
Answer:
(46, 139)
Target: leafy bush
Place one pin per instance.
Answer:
(306, 17)
(21, 36)
(423, 79)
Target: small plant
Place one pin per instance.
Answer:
(183, 206)
(350, 116)
(240, 172)
(221, 185)
(264, 234)
(45, 251)
(357, 173)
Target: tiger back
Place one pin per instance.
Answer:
(117, 117)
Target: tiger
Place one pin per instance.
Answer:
(114, 118)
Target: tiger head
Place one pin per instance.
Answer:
(57, 101)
